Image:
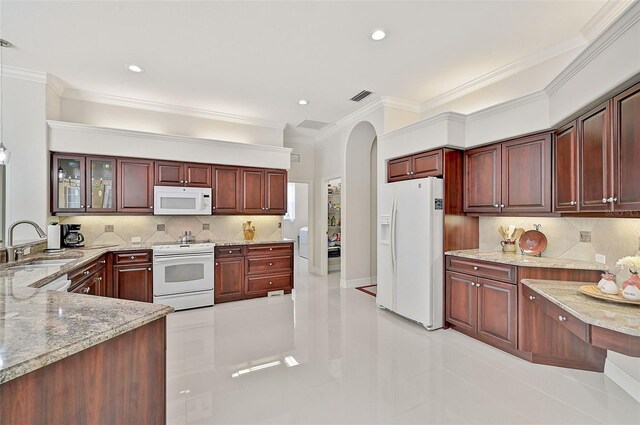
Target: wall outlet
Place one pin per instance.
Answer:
(205, 226)
(108, 228)
(585, 236)
(160, 228)
(601, 259)
(136, 239)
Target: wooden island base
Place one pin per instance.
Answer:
(119, 381)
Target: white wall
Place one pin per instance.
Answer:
(23, 116)
(70, 137)
(302, 213)
(114, 116)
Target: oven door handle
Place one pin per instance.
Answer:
(169, 258)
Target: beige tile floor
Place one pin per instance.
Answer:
(236, 363)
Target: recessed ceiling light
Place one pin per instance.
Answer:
(303, 102)
(378, 35)
(134, 68)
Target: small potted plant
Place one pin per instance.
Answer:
(631, 286)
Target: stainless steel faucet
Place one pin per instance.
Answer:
(14, 254)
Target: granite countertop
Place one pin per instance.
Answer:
(39, 327)
(622, 318)
(253, 242)
(527, 261)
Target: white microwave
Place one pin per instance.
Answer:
(170, 200)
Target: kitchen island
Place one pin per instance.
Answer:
(71, 358)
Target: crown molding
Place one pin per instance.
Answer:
(444, 117)
(64, 125)
(353, 117)
(503, 72)
(606, 16)
(405, 105)
(55, 84)
(510, 104)
(24, 74)
(150, 105)
(611, 34)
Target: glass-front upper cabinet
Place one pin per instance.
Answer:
(101, 174)
(68, 174)
(82, 183)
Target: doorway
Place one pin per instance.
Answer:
(295, 224)
(334, 225)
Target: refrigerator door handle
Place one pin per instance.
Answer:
(393, 233)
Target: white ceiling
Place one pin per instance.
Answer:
(257, 59)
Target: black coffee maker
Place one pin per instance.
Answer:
(70, 236)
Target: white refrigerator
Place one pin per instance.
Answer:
(410, 250)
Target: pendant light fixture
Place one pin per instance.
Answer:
(4, 152)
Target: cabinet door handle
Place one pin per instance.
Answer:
(562, 318)
(133, 257)
(475, 267)
(86, 290)
(604, 200)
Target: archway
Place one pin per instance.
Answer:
(359, 207)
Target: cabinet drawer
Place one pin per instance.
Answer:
(132, 257)
(268, 264)
(85, 271)
(229, 251)
(559, 315)
(495, 271)
(268, 283)
(271, 249)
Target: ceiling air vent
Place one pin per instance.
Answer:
(361, 95)
(314, 125)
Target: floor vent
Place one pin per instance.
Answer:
(314, 125)
(361, 95)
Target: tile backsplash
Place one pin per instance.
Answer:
(573, 238)
(98, 230)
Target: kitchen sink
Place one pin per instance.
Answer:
(52, 262)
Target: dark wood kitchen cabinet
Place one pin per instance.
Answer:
(594, 141)
(91, 279)
(420, 165)
(264, 191)
(510, 177)
(483, 308)
(229, 279)
(172, 173)
(82, 184)
(135, 185)
(251, 271)
(626, 150)
(93, 285)
(565, 169)
(226, 194)
(132, 276)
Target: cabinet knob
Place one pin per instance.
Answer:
(531, 297)
(86, 290)
(473, 283)
(475, 267)
(267, 208)
(214, 208)
(408, 173)
(86, 272)
(572, 203)
(562, 318)
(612, 200)
(478, 285)
(150, 206)
(270, 249)
(100, 278)
(271, 264)
(496, 205)
(270, 283)
(604, 200)
(133, 257)
(501, 205)
(230, 252)
(217, 264)
(149, 269)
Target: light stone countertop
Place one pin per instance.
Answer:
(39, 327)
(623, 318)
(527, 261)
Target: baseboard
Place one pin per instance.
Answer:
(352, 283)
(623, 379)
(374, 280)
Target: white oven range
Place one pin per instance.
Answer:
(183, 275)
